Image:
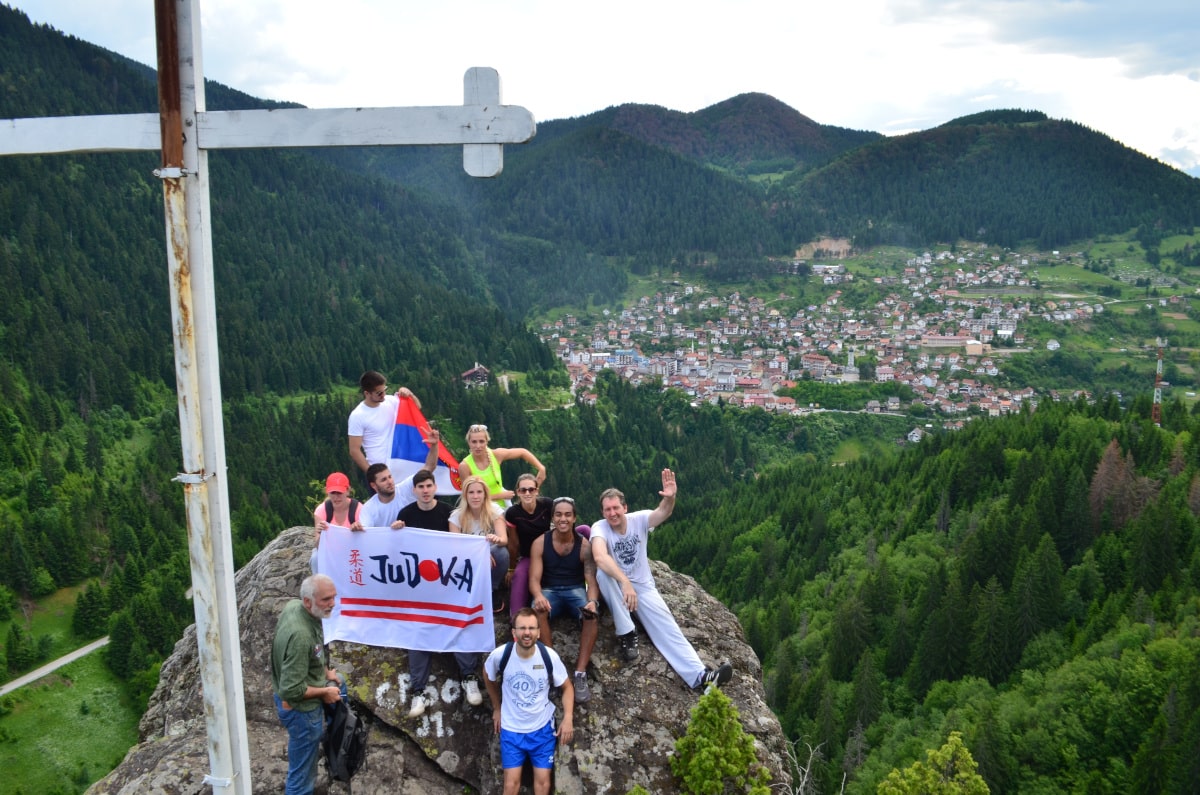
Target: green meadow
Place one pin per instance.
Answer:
(50, 616)
(64, 731)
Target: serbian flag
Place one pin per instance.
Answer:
(409, 449)
(409, 589)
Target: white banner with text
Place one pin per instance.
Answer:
(409, 589)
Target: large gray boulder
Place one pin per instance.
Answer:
(623, 737)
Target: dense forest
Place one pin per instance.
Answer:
(1030, 582)
(1033, 582)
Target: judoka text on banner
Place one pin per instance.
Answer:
(409, 589)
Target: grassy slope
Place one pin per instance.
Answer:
(51, 616)
(65, 731)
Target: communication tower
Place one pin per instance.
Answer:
(1156, 409)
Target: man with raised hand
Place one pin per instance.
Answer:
(372, 422)
(383, 509)
(619, 543)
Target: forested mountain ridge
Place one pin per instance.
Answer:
(1003, 177)
(1006, 177)
(318, 270)
(747, 134)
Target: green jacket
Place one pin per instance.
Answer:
(298, 656)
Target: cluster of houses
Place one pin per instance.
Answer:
(932, 328)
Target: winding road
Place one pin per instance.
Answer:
(50, 667)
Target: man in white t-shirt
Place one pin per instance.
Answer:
(372, 422)
(383, 509)
(619, 549)
(522, 712)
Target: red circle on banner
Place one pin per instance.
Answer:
(429, 570)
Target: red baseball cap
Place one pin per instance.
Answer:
(337, 482)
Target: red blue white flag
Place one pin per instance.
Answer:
(409, 589)
(409, 449)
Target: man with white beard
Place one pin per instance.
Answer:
(302, 679)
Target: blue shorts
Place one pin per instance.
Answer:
(537, 747)
(563, 599)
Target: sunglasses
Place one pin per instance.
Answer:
(569, 500)
(527, 490)
(477, 428)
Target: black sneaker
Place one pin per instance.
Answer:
(628, 650)
(718, 676)
(583, 693)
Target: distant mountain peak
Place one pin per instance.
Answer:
(734, 133)
(755, 105)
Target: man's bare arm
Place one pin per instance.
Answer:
(667, 505)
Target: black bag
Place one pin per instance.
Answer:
(345, 741)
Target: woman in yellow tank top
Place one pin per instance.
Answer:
(484, 462)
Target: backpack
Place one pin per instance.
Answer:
(508, 647)
(345, 741)
(351, 515)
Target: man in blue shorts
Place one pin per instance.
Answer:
(562, 580)
(522, 711)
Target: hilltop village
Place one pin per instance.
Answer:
(942, 327)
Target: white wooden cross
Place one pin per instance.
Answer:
(184, 131)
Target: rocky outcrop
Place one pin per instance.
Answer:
(623, 736)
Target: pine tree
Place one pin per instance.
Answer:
(716, 751)
(949, 770)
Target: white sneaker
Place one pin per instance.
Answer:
(471, 688)
(418, 707)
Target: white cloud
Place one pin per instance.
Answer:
(1129, 70)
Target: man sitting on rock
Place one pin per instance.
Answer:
(562, 579)
(619, 547)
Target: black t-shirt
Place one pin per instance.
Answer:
(436, 518)
(530, 526)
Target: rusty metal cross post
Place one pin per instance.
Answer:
(184, 132)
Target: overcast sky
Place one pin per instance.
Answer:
(1130, 70)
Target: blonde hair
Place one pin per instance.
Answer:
(487, 437)
(480, 523)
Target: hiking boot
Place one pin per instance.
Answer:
(582, 691)
(418, 707)
(718, 676)
(471, 688)
(628, 649)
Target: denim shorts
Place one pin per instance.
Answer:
(563, 599)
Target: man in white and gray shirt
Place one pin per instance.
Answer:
(383, 509)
